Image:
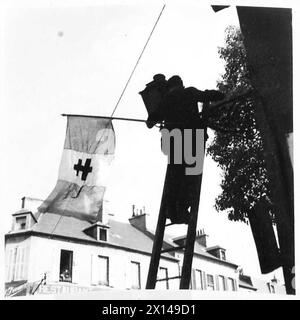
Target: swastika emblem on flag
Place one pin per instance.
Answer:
(86, 169)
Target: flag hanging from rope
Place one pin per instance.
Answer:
(85, 165)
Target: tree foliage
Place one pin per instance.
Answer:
(239, 153)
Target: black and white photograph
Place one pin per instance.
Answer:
(148, 151)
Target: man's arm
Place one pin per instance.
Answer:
(154, 118)
(205, 96)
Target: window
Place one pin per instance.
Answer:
(102, 234)
(199, 279)
(162, 274)
(271, 288)
(21, 223)
(222, 283)
(231, 285)
(103, 269)
(223, 255)
(210, 282)
(135, 275)
(66, 262)
(16, 264)
(99, 270)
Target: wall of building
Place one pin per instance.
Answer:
(214, 268)
(45, 257)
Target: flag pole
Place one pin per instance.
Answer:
(103, 117)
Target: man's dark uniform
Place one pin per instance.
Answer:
(178, 109)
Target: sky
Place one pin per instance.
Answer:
(76, 59)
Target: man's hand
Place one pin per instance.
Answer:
(214, 95)
(150, 124)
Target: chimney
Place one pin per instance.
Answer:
(274, 280)
(201, 237)
(138, 219)
(23, 202)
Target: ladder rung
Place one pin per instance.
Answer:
(169, 224)
(172, 223)
(170, 278)
(172, 249)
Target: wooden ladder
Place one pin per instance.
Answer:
(188, 247)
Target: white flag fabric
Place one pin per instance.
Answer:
(84, 169)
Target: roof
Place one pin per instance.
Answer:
(260, 285)
(214, 248)
(263, 287)
(120, 234)
(201, 250)
(246, 285)
(21, 211)
(245, 282)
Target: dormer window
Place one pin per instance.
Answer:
(222, 255)
(98, 231)
(23, 220)
(21, 223)
(218, 252)
(102, 234)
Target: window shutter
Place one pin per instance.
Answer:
(199, 280)
(17, 275)
(9, 265)
(179, 274)
(94, 269)
(235, 285)
(75, 269)
(204, 280)
(55, 265)
(217, 286)
(22, 262)
(231, 284)
(226, 283)
(26, 262)
(193, 279)
(128, 276)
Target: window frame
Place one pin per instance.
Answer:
(16, 263)
(198, 273)
(102, 231)
(231, 284)
(223, 255)
(138, 264)
(106, 282)
(165, 276)
(19, 225)
(222, 283)
(70, 266)
(208, 284)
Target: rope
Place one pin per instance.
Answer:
(139, 58)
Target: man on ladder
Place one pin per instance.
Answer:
(176, 107)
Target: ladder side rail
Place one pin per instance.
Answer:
(190, 242)
(158, 241)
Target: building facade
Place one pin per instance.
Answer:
(53, 254)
